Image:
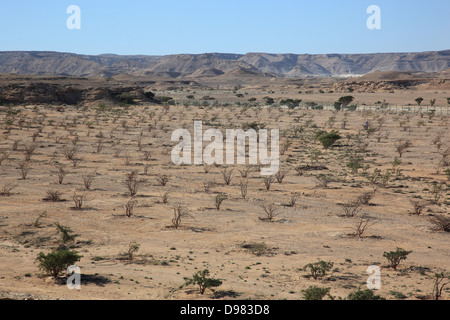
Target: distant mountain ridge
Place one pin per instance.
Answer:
(216, 64)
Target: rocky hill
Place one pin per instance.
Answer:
(218, 64)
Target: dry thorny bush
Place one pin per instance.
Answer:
(270, 210)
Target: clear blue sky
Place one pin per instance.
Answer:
(198, 26)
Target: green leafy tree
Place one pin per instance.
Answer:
(201, 279)
(395, 257)
(291, 103)
(345, 101)
(318, 269)
(328, 139)
(419, 101)
(56, 262)
(441, 280)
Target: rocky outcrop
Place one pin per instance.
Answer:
(374, 86)
(60, 94)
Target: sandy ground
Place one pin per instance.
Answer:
(311, 230)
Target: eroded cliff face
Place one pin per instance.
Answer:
(68, 91)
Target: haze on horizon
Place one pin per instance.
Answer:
(199, 26)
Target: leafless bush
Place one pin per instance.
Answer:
(401, 146)
(323, 180)
(362, 225)
(280, 175)
(117, 153)
(3, 156)
(5, 191)
(207, 168)
(269, 210)
(100, 144)
(245, 171)
(445, 162)
(70, 152)
(179, 213)
(133, 183)
(146, 155)
(208, 185)
(244, 188)
(78, 201)
(139, 143)
(440, 223)
(24, 168)
(268, 182)
(15, 145)
(365, 198)
(293, 199)
(351, 208)
(227, 176)
(300, 170)
(88, 179)
(29, 150)
(162, 179)
(53, 196)
(418, 206)
(61, 173)
(129, 207)
(165, 197)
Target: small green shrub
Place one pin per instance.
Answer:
(318, 269)
(64, 231)
(315, 293)
(366, 294)
(395, 257)
(55, 262)
(219, 199)
(201, 279)
(328, 139)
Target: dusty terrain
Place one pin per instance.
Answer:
(255, 258)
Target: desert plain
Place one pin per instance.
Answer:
(265, 231)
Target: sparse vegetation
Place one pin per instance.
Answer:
(362, 177)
